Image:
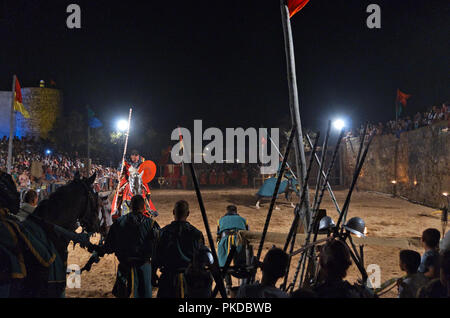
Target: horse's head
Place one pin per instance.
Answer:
(135, 180)
(89, 218)
(72, 205)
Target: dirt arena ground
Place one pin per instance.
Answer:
(384, 215)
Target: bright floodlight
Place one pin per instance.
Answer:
(339, 124)
(122, 125)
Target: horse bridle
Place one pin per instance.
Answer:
(132, 189)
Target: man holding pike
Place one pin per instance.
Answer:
(136, 175)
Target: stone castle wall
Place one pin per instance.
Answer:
(44, 106)
(419, 162)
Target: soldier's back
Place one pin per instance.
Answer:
(133, 236)
(177, 244)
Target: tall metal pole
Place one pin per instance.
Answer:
(11, 126)
(294, 101)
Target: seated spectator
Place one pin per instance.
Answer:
(273, 268)
(409, 285)
(334, 261)
(430, 242)
(30, 202)
(440, 287)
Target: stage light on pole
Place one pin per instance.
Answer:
(338, 124)
(122, 125)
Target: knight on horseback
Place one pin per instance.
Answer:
(137, 173)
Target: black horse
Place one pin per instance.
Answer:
(69, 207)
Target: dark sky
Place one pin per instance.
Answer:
(223, 61)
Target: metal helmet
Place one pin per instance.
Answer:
(204, 256)
(356, 226)
(326, 224)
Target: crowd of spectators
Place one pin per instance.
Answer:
(403, 124)
(35, 167)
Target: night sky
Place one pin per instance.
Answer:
(223, 61)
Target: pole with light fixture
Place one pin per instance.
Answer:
(394, 188)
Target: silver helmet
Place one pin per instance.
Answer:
(326, 224)
(356, 226)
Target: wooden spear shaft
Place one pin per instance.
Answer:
(123, 159)
(275, 194)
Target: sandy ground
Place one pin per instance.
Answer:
(384, 216)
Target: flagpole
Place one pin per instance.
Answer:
(294, 101)
(396, 110)
(11, 126)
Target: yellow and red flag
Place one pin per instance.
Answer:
(18, 104)
(295, 6)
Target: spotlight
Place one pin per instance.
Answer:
(339, 124)
(48, 152)
(394, 182)
(122, 125)
(445, 194)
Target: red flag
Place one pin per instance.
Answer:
(295, 6)
(402, 97)
(18, 102)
